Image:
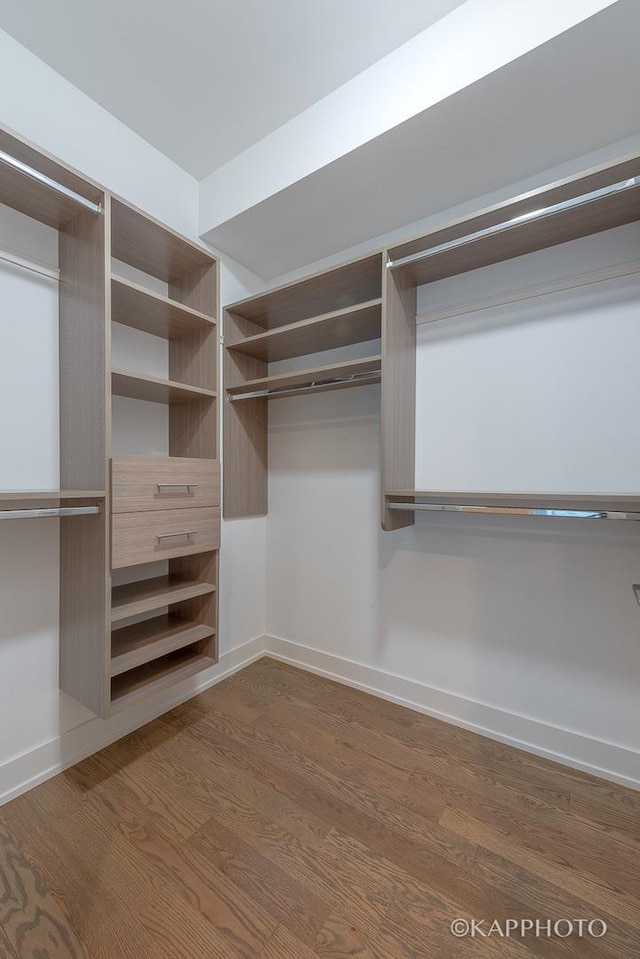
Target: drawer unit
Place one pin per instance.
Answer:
(145, 537)
(163, 482)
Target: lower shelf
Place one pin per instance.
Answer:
(144, 681)
(150, 594)
(133, 646)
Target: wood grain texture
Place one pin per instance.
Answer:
(142, 309)
(354, 282)
(146, 537)
(140, 483)
(355, 324)
(280, 815)
(84, 440)
(398, 402)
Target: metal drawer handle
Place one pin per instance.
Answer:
(186, 532)
(161, 486)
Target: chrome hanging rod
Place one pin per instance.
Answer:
(43, 512)
(516, 511)
(15, 260)
(539, 214)
(8, 160)
(372, 375)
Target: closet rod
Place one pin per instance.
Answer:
(8, 160)
(533, 215)
(516, 511)
(56, 512)
(30, 265)
(373, 375)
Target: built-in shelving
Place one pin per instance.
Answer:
(579, 502)
(155, 389)
(140, 643)
(142, 309)
(355, 324)
(147, 595)
(144, 682)
(54, 496)
(318, 377)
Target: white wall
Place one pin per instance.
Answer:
(40, 729)
(526, 629)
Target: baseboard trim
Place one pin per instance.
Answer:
(599, 758)
(23, 773)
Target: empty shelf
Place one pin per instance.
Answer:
(150, 594)
(53, 495)
(154, 389)
(135, 306)
(589, 502)
(356, 324)
(143, 682)
(319, 378)
(143, 642)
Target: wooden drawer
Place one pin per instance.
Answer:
(146, 537)
(163, 482)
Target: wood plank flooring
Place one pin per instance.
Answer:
(283, 816)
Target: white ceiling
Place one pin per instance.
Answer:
(202, 80)
(571, 96)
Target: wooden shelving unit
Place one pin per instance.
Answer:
(339, 308)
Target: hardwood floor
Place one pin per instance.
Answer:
(283, 816)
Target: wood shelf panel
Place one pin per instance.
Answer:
(150, 246)
(147, 680)
(149, 594)
(133, 646)
(588, 502)
(135, 306)
(154, 389)
(369, 364)
(336, 289)
(356, 324)
(59, 495)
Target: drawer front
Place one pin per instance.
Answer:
(146, 537)
(163, 482)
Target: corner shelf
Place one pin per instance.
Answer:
(150, 594)
(142, 309)
(155, 389)
(316, 377)
(355, 324)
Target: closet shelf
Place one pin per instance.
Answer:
(144, 682)
(150, 246)
(55, 496)
(154, 389)
(355, 324)
(133, 646)
(150, 594)
(319, 378)
(142, 309)
(579, 502)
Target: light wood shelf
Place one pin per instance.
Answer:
(133, 646)
(302, 378)
(355, 324)
(580, 502)
(353, 283)
(142, 309)
(150, 594)
(155, 389)
(53, 495)
(151, 246)
(141, 683)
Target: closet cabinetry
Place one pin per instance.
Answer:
(122, 640)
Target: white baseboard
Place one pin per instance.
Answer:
(603, 759)
(42, 763)
(599, 758)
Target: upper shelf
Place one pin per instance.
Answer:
(524, 224)
(135, 306)
(154, 389)
(150, 246)
(354, 283)
(29, 194)
(355, 324)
